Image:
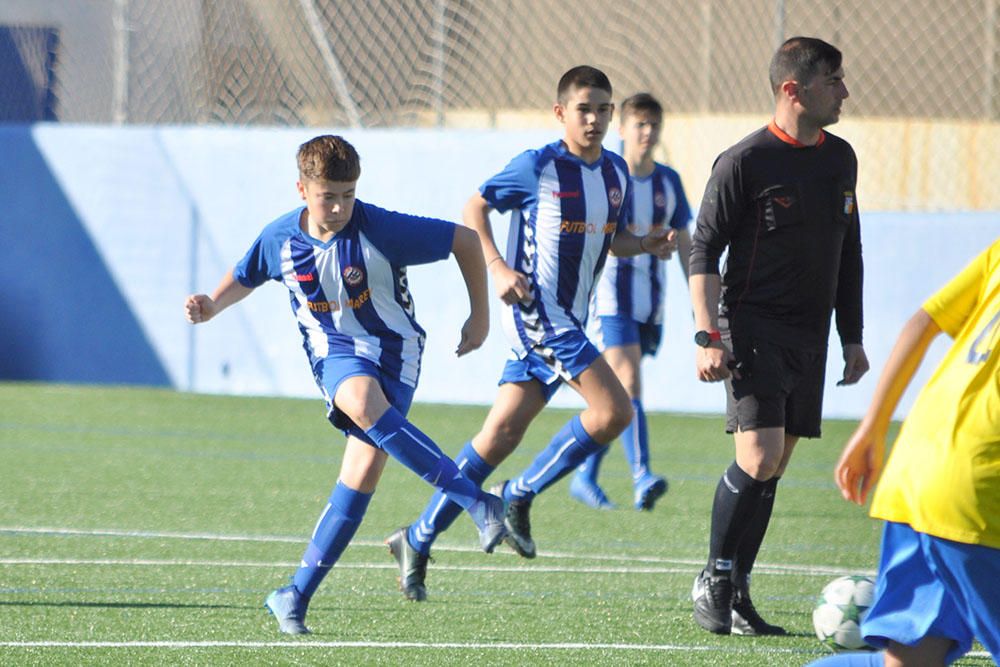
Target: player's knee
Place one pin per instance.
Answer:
(360, 416)
(614, 419)
(762, 468)
(621, 417)
(362, 401)
(501, 439)
(360, 409)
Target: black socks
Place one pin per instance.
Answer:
(737, 501)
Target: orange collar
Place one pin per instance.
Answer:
(789, 139)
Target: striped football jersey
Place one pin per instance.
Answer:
(633, 287)
(349, 295)
(564, 214)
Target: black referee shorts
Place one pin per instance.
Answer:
(780, 387)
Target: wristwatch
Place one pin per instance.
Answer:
(706, 338)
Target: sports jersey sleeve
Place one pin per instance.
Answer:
(407, 239)
(262, 261)
(850, 281)
(628, 206)
(514, 187)
(682, 211)
(951, 306)
(721, 209)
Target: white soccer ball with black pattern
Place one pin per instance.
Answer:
(842, 606)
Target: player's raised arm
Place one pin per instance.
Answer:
(466, 248)
(511, 286)
(200, 308)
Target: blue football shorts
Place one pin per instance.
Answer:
(619, 331)
(330, 373)
(931, 586)
(556, 360)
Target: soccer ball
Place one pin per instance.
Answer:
(841, 607)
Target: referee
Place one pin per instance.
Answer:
(782, 202)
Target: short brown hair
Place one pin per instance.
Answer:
(582, 76)
(641, 103)
(328, 158)
(802, 58)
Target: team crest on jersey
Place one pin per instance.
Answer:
(615, 197)
(353, 275)
(660, 200)
(848, 202)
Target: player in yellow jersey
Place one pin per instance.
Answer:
(939, 572)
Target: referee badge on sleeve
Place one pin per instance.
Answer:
(848, 202)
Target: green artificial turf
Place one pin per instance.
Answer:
(142, 526)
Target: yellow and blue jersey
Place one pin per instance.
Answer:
(943, 475)
(349, 295)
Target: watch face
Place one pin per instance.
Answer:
(702, 338)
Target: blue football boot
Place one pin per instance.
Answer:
(648, 489)
(289, 607)
(589, 493)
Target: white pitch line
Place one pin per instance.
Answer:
(772, 568)
(117, 532)
(148, 562)
(423, 645)
(570, 646)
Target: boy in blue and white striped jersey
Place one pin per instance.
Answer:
(569, 203)
(628, 303)
(344, 262)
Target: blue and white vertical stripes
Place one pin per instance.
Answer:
(349, 295)
(633, 287)
(564, 214)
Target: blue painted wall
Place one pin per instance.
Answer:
(62, 317)
(105, 230)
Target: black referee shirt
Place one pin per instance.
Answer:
(789, 217)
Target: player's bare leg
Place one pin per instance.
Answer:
(608, 411)
(362, 465)
(516, 406)
(584, 487)
(928, 652)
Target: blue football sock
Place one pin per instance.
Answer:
(591, 466)
(408, 445)
(635, 441)
(568, 449)
(440, 513)
(333, 532)
(851, 660)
